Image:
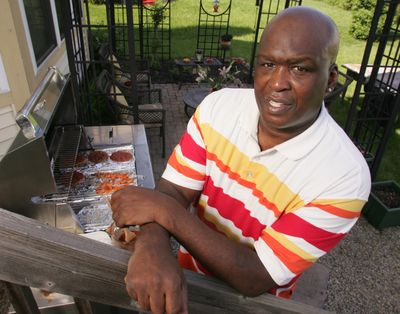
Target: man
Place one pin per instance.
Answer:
(275, 182)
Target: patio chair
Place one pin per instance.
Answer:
(113, 65)
(150, 110)
(344, 81)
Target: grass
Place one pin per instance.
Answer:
(184, 16)
(185, 20)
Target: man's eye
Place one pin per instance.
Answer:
(268, 65)
(300, 69)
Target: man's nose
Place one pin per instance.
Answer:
(279, 79)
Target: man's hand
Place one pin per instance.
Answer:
(138, 206)
(154, 276)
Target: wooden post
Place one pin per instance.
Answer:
(83, 306)
(36, 255)
(22, 299)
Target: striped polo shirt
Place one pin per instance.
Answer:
(291, 203)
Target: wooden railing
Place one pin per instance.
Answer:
(33, 254)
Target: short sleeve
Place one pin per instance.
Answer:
(187, 163)
(297, 239)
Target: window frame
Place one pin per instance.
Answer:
(36, 67)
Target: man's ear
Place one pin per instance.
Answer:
(333, 78)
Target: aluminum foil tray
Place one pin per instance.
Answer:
(96, 181)
(95, 217)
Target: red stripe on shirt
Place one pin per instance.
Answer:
(292, 225)
(191, 150)
(188, 262)
(285, 291)
(248, 184)
(186, 171)
(233, 210)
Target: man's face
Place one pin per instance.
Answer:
(291, 78)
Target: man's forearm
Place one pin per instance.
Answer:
(235, 263)
(152, 235)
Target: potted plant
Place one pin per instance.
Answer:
(383, 206)
(199, 55)
(225, 41)
(226, 75)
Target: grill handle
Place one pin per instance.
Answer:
(27, 117)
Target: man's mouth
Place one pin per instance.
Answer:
(277, 107)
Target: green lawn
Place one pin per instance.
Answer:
(184, 16)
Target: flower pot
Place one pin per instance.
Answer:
(225, 44)
(199, 55)
(383, 206)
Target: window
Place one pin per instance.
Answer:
(41, 28)
(59, 18)
(44, 27)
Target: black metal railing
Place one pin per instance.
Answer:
(375, 104)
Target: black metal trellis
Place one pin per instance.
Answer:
(211, 26)
(152, 30)
(156, 31)
(376, 103)
(83, 40)
(75, 52)
(266, 11)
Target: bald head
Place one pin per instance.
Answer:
(312, 27)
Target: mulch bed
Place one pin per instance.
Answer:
(388, 196)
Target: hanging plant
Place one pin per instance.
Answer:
(215, 5)
(157, 14)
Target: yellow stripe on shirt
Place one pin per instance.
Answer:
(262, 181)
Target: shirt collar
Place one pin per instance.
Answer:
(298, 146)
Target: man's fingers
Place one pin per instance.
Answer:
(185, 308)
(175, 302)
(144, 302)
(131, 292)
(157, 303)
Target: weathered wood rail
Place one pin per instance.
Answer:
(36, 255)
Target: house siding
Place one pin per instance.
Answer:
(8, 128)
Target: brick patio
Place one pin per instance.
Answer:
(176, 121)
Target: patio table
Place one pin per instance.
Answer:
(193, 98)
(388, 77)
(189, 66)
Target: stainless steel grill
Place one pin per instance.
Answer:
(37, 173)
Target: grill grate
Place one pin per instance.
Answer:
(67, 142)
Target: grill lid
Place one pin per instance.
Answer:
(35, 115)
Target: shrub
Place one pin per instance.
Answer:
(361, 24)
(97, 1)
(344, 4)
